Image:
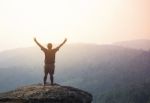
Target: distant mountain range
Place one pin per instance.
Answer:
(103, 70)
(135, 44)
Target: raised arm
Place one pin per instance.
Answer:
(42, 47)
(62, 43)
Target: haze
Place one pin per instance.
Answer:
(88, 21)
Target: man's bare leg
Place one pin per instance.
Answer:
(45, 78)
(51, 78)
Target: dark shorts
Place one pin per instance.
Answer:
(49, 68)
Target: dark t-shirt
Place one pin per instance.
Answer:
(49, 55)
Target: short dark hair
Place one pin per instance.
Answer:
(49, 45)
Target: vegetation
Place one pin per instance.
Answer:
(138, 94)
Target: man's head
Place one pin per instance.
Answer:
(49, 45)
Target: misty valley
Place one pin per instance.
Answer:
(115, 73)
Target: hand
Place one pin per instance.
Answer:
(35, 39)
(65, 40)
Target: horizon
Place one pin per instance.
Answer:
(81, 21)
(75, 43)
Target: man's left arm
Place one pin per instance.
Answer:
(61, 44)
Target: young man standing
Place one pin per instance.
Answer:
(49, 66)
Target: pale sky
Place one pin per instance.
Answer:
(87, 21)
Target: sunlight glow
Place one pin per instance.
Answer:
(90, 21)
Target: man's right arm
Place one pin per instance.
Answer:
(39, 44)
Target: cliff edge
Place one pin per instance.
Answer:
(37, 93)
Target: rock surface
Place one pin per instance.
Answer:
(49, 94)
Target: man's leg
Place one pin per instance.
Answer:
(52, 73)
(51, 78)
(45, 74)
(45, 78)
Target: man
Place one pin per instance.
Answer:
(49, 66)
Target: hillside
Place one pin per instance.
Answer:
(98, 69)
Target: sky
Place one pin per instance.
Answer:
(84, 21)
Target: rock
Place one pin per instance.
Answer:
(38, 93)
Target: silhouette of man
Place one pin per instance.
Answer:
(49, 66)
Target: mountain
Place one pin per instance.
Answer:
(133, 94)
(99, 69)
(49, 94)
(142, 44)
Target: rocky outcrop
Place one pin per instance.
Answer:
(46, 94)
